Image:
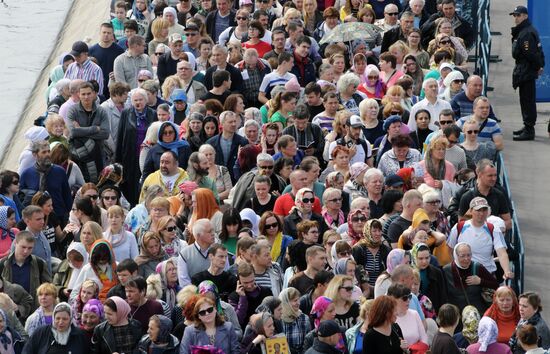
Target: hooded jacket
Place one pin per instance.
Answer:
(66, 270)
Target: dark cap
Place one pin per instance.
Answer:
(519, 10)
(394, 180)
(79, 48)
(328, 328)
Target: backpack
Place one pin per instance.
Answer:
(460, 225)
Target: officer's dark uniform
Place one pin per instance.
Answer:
(527, 51)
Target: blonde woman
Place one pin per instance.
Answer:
(290, 15)
(170, 84)
(295, 323)
(312, 17)
(43, 315)
(358, 331)
(340, 290)
(159, 28)
(123, 242)
(90, 232)
(399, 49)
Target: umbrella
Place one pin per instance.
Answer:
(350, 31)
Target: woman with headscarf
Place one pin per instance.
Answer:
(59, 337)
(395, 258)
(505, 312)
(295, 323)
(371, 83)
(454, 84)
(101, 269)
(88, 290)
(466, 279)
(168, 272)
(209, 289)
(151, 254)
(487, 339)
(323, 310)
(69, 270)
(347, 266)
(168, 140)
(261, 327)
(158, 339)
(432, 283)
(7, 229)
(92, 315)
(10, 340)
(356, 222)
(117, 333)
(142, 13)
(371, 252)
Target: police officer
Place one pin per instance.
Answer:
(527, 51)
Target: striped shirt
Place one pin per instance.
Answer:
(87, 71)
(489, 130)
(325, 122)
(274, 79)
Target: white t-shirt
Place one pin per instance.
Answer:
(479, 239)
(169, 181)
(274, 79)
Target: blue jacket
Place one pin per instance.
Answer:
(225, 339)
(57, 184)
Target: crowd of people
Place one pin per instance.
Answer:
(222, 177)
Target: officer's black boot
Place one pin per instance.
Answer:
(518, 132)
(528, 134)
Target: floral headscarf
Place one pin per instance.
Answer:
(318, 309)
(4, 338)
(368, 240)
(487, 333)
(95, 306)
(356, 237)
(414, 252)
(208, 286)
(395, 258)
(4, 223)
(470, 322)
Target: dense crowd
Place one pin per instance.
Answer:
(261, 177)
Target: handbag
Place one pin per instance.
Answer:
(487, 294)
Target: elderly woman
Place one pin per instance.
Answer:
(401, 155)
(330, 16)
(436, 168)
(133, 125)
(529, 311)
(209, 329)
(151, 254)
(454, 84)
(466, 279)
(322, 310)
(295, 323)
(356, 221)
(408, 320)
(373, 127)
(373, 87)
(158, 338)
(60, 336)
(474, 149)
(487, 339)
(303, 210)
(219, 174)
(354, 185)
(370, 252)
(347, 92)
(392, 127)
(505, 312)
(92, 315)
(168, 140)
(262, 327)
(332, 208)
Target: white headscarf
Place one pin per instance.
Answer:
(250, 215)
(455, 254)
(80, 248)
(487, 333)
(61, 337)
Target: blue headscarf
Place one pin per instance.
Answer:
(176, 144)
(4, 338)
(138, 14)
(4, 224)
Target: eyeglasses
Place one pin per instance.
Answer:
(407, 297)
(109, 197)
(434, 202)
(308, 200)
(392, 13)
(335, 200)
(266, 167)
(347, 288)
(445, 42)
(206, 311)
(171, 228)
(191, 34)
(372, 77)
(242, 18)
(168, 132)
(94, 196)
(358, 219)
(472, 131)
(445, 122)
(271, 226)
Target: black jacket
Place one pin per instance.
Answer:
(126, 151)
(103, 339)
(312, 133)
(236, 78)
(464, 30)
(211, 24)
(293, 219)
(145, 344)
(437, 290)
(42, 340)
(392, 36)
(152, 161)
(527, 51)
(236, 142)
(322, 348)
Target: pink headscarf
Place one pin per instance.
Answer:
(351, 233)
(319, 307)
(379, 85)
(122, 310)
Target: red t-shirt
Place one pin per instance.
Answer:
(262, 47)
(285, 202)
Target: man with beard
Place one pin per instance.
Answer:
(168, 177)
(197, 169)
(44, 176)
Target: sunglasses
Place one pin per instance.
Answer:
(372, 77)
(458, 81)
(242, 18)
(157, 54)
(171, 228)
(407, 297)
(335, 200)
(308, 200)
(192, 34)
(94, 196)
(359, 219)
(347, 288)
(445, 42)
(141, 80)
(15, 183)
(392, 13)
(445, 122)
(271, 226)
(206, 312)
(110, 197)
(472, 131)
(266, 167)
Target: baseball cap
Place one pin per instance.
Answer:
(394, 180)
(175, 37)
(78, 48)
(191, 27)
(328, 328)
(519, 10)
(479, 203)
(355, 121)
(179, 95)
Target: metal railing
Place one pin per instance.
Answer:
(483, 42)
